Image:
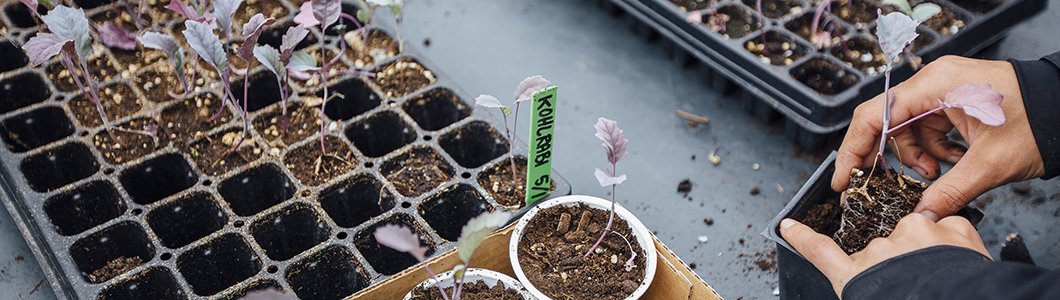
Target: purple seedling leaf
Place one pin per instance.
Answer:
(979, 101)
(45, 45)
(605, 178)
(251, 32)
(614, 141)
(223, 10)
(184, 10)
(326, 11)
(305, 15)
(159, 41)
(301, 61)
(201, 38)
(115, 36)
(492, 102)
(529, 86)
(270, 58)
(71, 24)
(476, 230)
(401, 238)
(895, 31)
(290, 40)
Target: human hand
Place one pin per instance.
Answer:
(913, 232)
(995, 156)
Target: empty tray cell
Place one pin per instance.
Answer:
(379, 134)
(775, 8)
(254, 287)
(402, 77)
(313, 167)
(263, 90)
(255, 190)
(385, 260)
(803, 27)
(22, 90)
(779, 50)
(36, 128)
(14, 57)
(474, 144)
(218, 264)
(355, 200)
(153, 283)
(332, 273)
(436, 109)
(214, 155)
(286, 233)
(417, 171)
(158, 178)
(84, 207)
(135, 139)
(186, 220)
(824, 76)
(861, 53)
(858, 12)
(357, 99)
(111, 252)
(738, 21)
(58, 166)
(20, 16)
(448, 211)
(118, 100)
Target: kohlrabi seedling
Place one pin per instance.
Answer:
(201, 38)
(169, 46)
(895, 32)
(524, 92)
(614, 142)
(400, 238)
(69, 36)
(395, 8)
(281, 62)
(922, 12)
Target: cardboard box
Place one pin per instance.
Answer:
(673, 279)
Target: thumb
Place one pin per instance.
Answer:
(819, 250)
(955, 189)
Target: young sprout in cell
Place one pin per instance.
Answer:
(201, 38)
(282, 62)
(524, 92)
(69, 37)
(921, 12)
(325, 13)
(895, 32)
(169, 46)
(400, 238)
(395, 8)
(614, 142)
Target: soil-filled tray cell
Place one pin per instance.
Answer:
(158, 178)
(84, 207)
(302, 121)
(357, 98)
(741, 21)
(58, 166)
(313, 166)
(129, 141)
(779, 50)
(474, 144)
(436, 109)
(36, 128)
(448, 211)
(367, 51)
(417, 171)
(948, 21)
(263, 89)
(801, 26)
(186, 220)
(861, 53)
(98, 66)
(253, 287)
(153, 283)
(402, 77)
(286, 233)
(111, 252)
(14, 57)
(380, 134)
(824, 76)
(857, 12)
(214, 156)
(218, 264)
(775, 8)
(256, 189)
(118, 101)
(356, 200)
(383, 259)
(22, 90)
(332, 273)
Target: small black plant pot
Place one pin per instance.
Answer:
(798, 278)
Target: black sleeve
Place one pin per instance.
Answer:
(948, 272)
(1040, 86)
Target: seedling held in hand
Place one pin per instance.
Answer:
(614, 142)
(400, 238)
(524, 92)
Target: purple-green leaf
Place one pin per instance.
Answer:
(224, 9)
(251, 31)
(492, 102)
(71, 24)
(43, 46)
(270, 58)
(327, 11)
(201, 38)
(185, 10)
(290, 40)
(606, 179)
(895, 31)
(115, 36)
(979, 101)
(529, 86)
(476, 230)
(614, 141)
(305, 15)
(159, 41)
(301, 61)
(400, 238)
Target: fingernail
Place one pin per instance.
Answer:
(786, 223)
(927, 213)
(953, 159)
(919, 171)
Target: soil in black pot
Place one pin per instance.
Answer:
(313, 167)
(498, 181)
(861, 53)
(782, 49)
(856, 11)
(417, 172)
(402, 77)
(824, 76)
(774, 8)
(552, 254)
(477, 290)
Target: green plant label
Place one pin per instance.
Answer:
(542, 129)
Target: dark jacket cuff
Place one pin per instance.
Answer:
(1040, 87)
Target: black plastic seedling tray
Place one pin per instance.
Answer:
(193, 234)
(813, 116)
